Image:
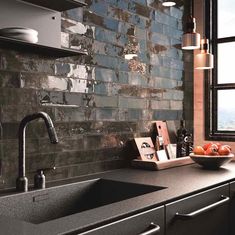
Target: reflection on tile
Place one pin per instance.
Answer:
(55, 83)
(79, 85)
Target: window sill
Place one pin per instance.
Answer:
(221, 136)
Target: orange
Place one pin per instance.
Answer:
(198, 150)
(207, 145)
(224, 150)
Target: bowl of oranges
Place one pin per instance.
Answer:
(212, 155)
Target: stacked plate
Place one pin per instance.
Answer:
(20, 33)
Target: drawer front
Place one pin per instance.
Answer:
(232, 209)
(134, 225)
(206, 213)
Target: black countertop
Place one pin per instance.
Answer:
(179, 182)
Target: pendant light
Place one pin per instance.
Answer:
(191, 39)
(166, 3)
(204, 60)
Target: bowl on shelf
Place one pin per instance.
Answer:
(20, 33)
(211, 162)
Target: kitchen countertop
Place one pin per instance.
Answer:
(179, 182)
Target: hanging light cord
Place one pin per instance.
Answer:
(192, 8)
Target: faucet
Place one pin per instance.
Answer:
(22, 181)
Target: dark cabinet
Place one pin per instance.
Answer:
(205, 213)
(232, 208)
(150, 222)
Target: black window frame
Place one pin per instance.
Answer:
(211, 85)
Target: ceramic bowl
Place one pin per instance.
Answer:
(26, 38)
(18, 30)
(24, 34)
(211, 162)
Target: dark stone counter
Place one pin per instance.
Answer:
(179, 182)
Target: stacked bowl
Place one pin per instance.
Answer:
(20, 33)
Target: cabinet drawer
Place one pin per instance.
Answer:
(134, 225)
(232, 208)
(206, 213)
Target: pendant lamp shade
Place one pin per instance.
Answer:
(166, 3)
(204, 60)
(191, 39)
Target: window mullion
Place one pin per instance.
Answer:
(225, 40)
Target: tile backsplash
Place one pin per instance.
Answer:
(99, 101)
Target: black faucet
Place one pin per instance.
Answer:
(22, 181)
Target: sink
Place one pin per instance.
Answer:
(44, 205)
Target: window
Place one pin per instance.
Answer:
(220, 82)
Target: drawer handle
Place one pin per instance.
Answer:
(153, 229)
(202, 210)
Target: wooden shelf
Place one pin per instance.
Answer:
(160, 165)
(57, 5)
(53, 52)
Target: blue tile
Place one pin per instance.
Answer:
(99, 7)
(106, 75)
(143, 2)
(156, 27)
(106, 61)
(113, 50)
(105, 35)
(111, 24)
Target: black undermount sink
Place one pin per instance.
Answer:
(44, 205)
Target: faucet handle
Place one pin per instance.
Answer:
(40, 179)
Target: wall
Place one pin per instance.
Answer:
(99, 101)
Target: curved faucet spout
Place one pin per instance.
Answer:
(48, 123)
(22, 181)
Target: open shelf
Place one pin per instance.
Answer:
(18, 45)
(57, 5)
